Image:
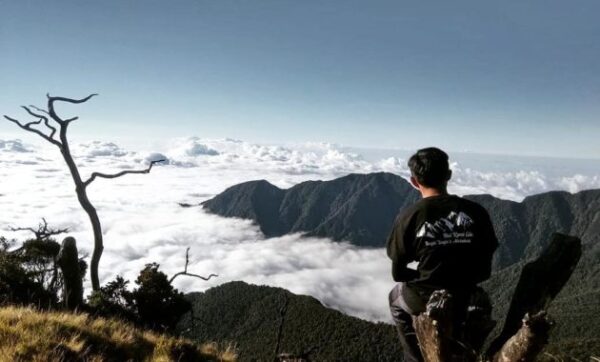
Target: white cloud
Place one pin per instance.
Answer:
(98, 148)
(340, 275)
(310, 159)
(191, 147)
(578, 182)
(13, 146)
(143, 222)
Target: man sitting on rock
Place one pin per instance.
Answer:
(451, 238)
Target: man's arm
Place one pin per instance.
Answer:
(399, 252)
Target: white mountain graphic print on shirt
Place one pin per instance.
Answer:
(456, 228)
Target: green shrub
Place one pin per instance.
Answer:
(154, 303)
(158, 304)
(19, 285)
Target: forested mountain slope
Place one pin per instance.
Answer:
(250, 316)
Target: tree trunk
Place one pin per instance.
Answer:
(98, 239)
(68, 261)
(81, 190)
(434, 328)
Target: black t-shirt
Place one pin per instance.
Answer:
(452, 239)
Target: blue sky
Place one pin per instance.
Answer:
(506, 77)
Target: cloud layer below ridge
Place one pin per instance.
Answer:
(143, 222)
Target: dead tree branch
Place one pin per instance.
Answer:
(52, 129)
(27, 127)
(52, 112)
(32, 113)
(39, 109)
(43, 232)
(41, 117)
(185, 272)
(119, 174)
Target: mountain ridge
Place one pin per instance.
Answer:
(320, 208)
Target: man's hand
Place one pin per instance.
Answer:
(401, 273)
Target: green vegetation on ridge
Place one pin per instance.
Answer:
(250, 316)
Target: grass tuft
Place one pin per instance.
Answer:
(30, 335)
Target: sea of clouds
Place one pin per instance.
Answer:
(143, 222)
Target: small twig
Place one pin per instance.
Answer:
(119, 174)
(185, 272)
(32, 113)
(39, 109)
(552, 356)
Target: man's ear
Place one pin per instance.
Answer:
(415, 183)
(449, 175)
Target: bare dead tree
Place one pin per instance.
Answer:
(52, 124)
(43, 231)
(37, 253)
(185, 270)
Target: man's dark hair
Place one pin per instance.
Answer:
(430, 167)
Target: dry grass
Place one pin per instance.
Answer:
(30, 335)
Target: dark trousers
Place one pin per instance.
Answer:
(404, 303)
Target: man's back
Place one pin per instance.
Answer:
(452, 239)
